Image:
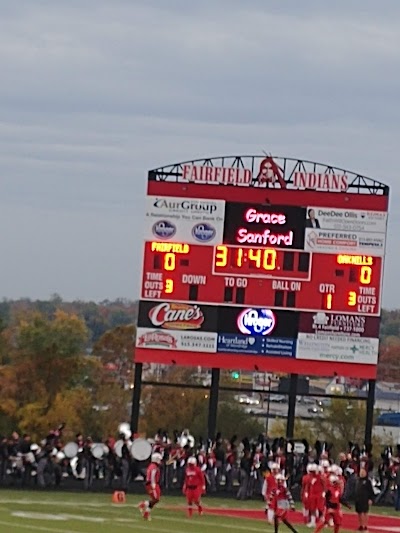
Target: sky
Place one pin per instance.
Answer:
(94, 93)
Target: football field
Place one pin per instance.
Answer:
(51, 512)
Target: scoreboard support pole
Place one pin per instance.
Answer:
(369, 422)
(137, 390)
(291, 406)
(213, 403)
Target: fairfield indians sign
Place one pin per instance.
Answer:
(269, 172)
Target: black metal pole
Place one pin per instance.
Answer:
(369, 421)
(213, 403)
(268, 407)
(292, 406)
(137, 389)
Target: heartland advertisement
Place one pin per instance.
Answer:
(337, 348)
(257, 345)
(176, 340)
(345, 242)
(188, 220)
(352, 220)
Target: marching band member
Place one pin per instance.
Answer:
(269, 485)
(280, 502)
(152, 486)
(194, 485)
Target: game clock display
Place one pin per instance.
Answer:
(262, 276)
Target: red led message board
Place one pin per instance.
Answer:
(224, 261)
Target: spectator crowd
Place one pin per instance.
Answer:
(236, 466)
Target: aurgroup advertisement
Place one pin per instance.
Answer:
(186, 220)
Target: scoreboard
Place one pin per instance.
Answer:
(237, 275)
(289, 281)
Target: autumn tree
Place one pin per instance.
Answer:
(46, 361)
(303, 429)
(116, 349)
(179, 408)
(389, 359)
(342, 421)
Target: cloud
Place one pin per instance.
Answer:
(93, 94)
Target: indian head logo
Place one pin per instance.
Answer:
(270, 173)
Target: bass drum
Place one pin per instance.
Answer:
(141, 449)
(118, 448)
(98, 450)
(106, 449)
(71, 450)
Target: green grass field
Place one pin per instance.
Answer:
(22, 511)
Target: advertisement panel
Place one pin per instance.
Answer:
(258, 322)
(345, 242)
(276, 226)
(337, 348)
(323, 323)
(177, 316)
(353, 220)
(188, 220)
(256, 345)
(176, 340)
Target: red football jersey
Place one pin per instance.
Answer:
(152, 475)
(317, 485)
(194, 477)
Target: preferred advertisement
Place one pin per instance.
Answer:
(187, 220)
(344, 242)
(346, 219)
(322, 323)
(256, 345)
(337, 348)
(191, 341)
(177, 316)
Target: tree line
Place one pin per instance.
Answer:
(72, 362)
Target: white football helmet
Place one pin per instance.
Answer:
(156, 458)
